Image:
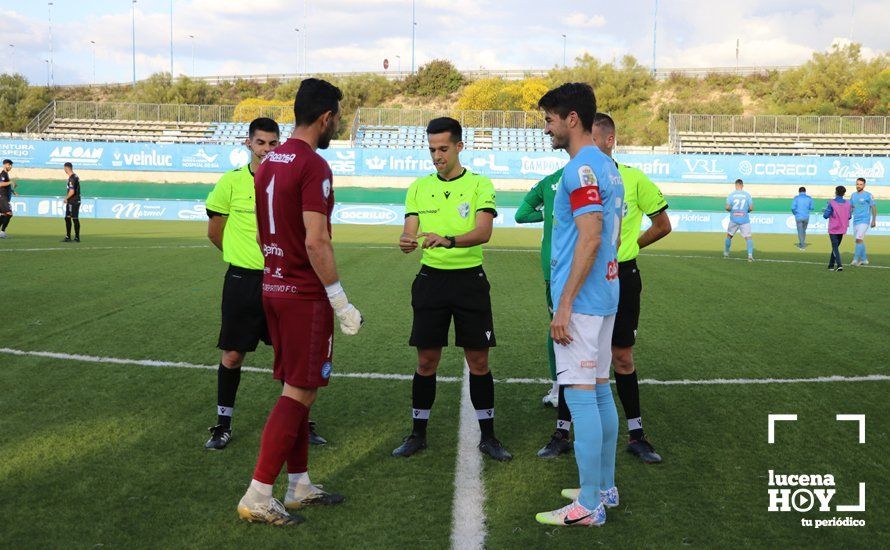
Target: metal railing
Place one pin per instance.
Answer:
(777, 124)
(470, 119)
(42, 120)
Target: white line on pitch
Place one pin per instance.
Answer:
(467, 510)
(76, 246)
(449, 379)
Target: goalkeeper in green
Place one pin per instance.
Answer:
(537, 206)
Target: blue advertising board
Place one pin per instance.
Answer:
(391, 214)
(703, 169)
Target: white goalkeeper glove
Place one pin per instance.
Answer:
(350, 318)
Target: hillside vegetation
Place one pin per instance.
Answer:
(837, 82)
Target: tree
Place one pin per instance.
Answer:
(19, 102)
(436, 78)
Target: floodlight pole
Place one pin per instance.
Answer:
(399, 58)
(93, 42)
(171, 38)
(192, 37)
(12, 56)
(413, 30)
(51, 80)
(298, 50)
(134, 41)
(654, 36)
(564, 39)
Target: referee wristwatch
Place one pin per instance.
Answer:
(452, 240)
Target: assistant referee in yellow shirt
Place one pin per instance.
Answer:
(450, 214)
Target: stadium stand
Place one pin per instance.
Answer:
(780, 135)
(89, 121)
(414, 137)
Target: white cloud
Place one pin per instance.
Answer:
(356, 35)
(582, 21)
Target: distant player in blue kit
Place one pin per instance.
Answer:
(587, 213)
(865, 215)
(739, 204)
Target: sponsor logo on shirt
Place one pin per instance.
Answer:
(272, 250)
(591, 364)
(280, 157)
(612, 270)
(326, 369)
(285, 289)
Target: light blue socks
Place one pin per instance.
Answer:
(588, 443)
(750, 243)
(727, 244)
(609, 421)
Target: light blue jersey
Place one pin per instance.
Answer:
(590, 183)
(801, 207)
(862, 203)
(739, 203)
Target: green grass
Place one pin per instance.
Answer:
(97, 454)
(382, 195)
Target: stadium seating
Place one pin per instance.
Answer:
(782, 144)
(414, 137)
(74, 129)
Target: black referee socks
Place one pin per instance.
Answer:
(482, 396)
(227, 381)
(629, 394)
(423, 394)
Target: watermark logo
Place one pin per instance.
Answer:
(813, 492)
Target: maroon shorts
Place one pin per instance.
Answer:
(302, 333)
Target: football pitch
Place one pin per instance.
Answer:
(105, 401)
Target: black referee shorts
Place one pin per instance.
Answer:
(437, 295)
(72, 210)
(243, 318)
(628, 317)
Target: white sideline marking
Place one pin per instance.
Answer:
(76, 246)
(468, 514)
(448, 379)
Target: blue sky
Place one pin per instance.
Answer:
(236, 37)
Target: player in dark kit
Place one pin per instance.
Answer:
(301, 296)
(7, 190)
(72, 205)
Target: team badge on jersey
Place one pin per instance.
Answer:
(586, 176)
(326, 188)
(464, 209)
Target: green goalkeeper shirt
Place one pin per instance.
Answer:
(538, 206)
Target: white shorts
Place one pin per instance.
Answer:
(860, 229)
(744, 228)
(589, 356)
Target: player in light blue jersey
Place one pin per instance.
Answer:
(739, 204)
(865, 215)
(587, 212)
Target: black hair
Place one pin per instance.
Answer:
(573, 96)
(68, 165)
(315, 98)
(860, 179)
(802, 190)
(602, 120)
(263, 124)
(739, 181)
(446, 124)
(840, 190)
(7, 161)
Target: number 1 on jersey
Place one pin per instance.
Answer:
(270, 190)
